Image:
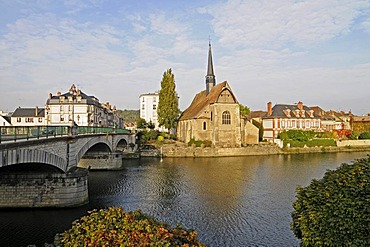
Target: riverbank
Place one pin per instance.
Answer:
(182, 150)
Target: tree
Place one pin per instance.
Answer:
(244, 110)
(116, 227)
(334, 211)
(141, 123)
(168, 105)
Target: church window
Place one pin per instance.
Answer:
(226, 117)
(204, 125)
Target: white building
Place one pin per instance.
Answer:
(77, 108)
(28, 117)
(4, 119)
(148, 108)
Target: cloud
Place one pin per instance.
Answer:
(265, 23)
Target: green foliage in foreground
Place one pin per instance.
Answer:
(115, 227)
(335, 211)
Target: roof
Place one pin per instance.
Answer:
(6, 118)
(29, 112)
(90, 100)
(361, 118)
(201, 100)
(280, 111)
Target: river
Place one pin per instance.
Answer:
(231, 201)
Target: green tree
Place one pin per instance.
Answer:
(334, 211)
(244, 110)
(168, 105)
(141, 123)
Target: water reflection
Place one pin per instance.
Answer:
(240, 201)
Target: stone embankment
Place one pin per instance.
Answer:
(182, 150)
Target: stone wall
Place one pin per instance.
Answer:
(183, 151)
(353, 143)
(101, 161)
(44, 190)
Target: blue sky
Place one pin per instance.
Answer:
(315, 51)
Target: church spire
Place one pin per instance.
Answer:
(210, 77)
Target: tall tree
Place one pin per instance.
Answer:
(168, 105)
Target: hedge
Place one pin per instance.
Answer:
(335, 211)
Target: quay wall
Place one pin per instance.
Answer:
(111, 161)
(261, 149)
(35, 190)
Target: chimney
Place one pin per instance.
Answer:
(269, 108)
(59, 93)
(50, 95)
(300, 105)
(36, 111)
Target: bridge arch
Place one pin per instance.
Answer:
(24, 156)
(92, 142)
(121, 142)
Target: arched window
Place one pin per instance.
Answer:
(226, 118)
(204, 125)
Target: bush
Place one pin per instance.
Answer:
(311, 143)
(364, 135)
(334, 211)
(297, 135)
(199, 143)
(115, 227)
(354, 135)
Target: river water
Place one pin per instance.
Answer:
(233, 201)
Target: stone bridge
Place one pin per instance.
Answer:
(44, 173)
(63, 153)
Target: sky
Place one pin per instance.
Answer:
(283, 51)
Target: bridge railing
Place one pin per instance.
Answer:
(15, 133)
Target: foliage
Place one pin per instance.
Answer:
(151, 125)
(198, 143)
(334, 211)
(115, 227)
(244, 110)
(354, 135)
(364, 135)
(129, 116)
(311, 143)
(297, 135)
(260, 129)
(141, 123)
(149, 135)
(168, 105)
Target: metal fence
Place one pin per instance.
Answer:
(15, 133)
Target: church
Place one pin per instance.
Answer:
(214, 115)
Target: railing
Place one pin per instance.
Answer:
(15, 133)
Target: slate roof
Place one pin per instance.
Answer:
(278, 111)
(361, 118)
(201, 100)
(29, 112)
(89, 99)
(6, 118)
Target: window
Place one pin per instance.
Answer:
(29, 120)
(19, 120)
(143, 107)
(61, 108)
(226, 118)
(154, 99)
(204, 125)
(61, 118)
(143, 99)
(211, 116)
(40, 120)
(154, 107)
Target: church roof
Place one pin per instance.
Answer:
(201, 100)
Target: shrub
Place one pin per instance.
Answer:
(334, 211)
(199, 143)
(115, 227)
(354, 135)
(160, 138)
(364, 135)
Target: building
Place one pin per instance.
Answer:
(28, 117)
(332, 120)
(288, 117)
(148, 107)
(214, 115)
(360, 123)
(77, 108)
